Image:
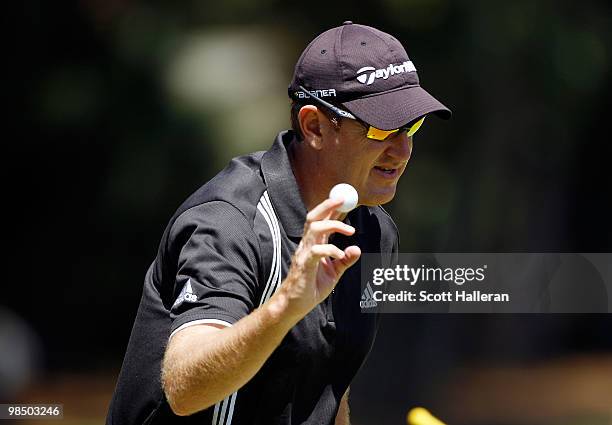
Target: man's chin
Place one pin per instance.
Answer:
(380, 198)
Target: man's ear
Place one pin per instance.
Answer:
(310, 124)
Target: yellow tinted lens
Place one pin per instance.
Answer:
(377, 134)
(415, 127)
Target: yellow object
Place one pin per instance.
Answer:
(377, 134)
(421, 416)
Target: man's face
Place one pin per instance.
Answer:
(373, 167)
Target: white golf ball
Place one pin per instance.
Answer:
(346, 192)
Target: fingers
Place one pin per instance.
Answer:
(334, 215)
(320, 228)
(351, 255)
(324, 210)
(327, 250)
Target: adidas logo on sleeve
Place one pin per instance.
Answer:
(186, 295)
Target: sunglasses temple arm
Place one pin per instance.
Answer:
(328, 105)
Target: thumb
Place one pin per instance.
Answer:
(351, 255)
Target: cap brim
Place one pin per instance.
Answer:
(394, 109)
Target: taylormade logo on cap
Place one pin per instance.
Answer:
(364, 76)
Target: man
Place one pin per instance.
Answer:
(250, 312)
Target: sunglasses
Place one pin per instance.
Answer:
(372, 132)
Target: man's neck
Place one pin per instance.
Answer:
(310, 181)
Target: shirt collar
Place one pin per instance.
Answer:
(282, 186)
(285, 193)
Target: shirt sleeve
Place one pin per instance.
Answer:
(218, 268)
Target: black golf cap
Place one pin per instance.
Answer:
(368, 72)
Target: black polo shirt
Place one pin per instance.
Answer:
(224, 253)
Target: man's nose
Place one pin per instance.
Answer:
(400, 146)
